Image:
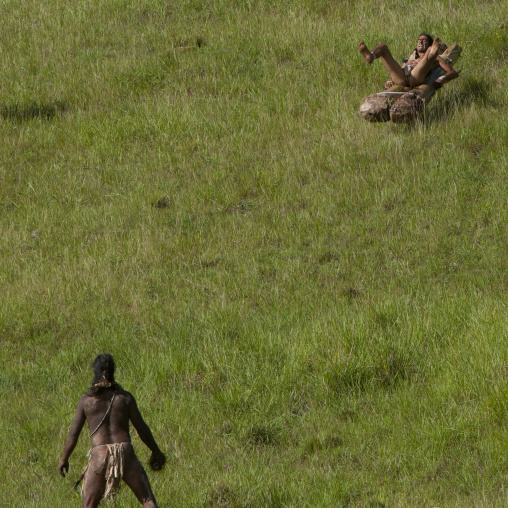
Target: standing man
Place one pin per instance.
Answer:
(108, 408)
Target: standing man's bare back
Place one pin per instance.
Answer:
(108, 409)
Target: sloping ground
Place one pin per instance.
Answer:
(310, 310)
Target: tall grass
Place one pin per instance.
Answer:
(310, 309)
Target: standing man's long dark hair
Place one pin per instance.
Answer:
(104, 375)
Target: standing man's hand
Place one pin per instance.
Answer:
(63, 468)
(157, 460)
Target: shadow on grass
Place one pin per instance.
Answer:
(222, 495)
(389, 370)
(262, 435)
(30, 110)
(473, 90)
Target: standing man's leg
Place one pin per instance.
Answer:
(135, 477)
(94, 482)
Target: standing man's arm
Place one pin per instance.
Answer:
(158, 459)
(72, 438)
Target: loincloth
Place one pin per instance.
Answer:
(111, 467)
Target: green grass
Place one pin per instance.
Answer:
(309, 309)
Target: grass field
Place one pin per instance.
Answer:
(311, 310)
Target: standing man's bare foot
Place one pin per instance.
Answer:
(433, 51)
(369, 57)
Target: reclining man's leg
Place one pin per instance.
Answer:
(424, 66)
(382, 52)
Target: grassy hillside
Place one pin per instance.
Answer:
(311, 310)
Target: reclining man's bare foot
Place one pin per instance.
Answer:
(369, 57)
(433, 51)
